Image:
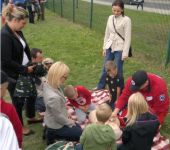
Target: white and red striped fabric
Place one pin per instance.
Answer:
(160, 143)
(101, 96)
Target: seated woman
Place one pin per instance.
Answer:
(59, 126)
(141, 125)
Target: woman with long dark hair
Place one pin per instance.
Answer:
(116, 41)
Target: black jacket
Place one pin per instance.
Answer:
(12, 53)
(140, 135)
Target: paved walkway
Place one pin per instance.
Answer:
(147, 9)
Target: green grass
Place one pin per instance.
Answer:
(80, 48)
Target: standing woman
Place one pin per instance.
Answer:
(15, 54)
(59, 126)
(114, 47)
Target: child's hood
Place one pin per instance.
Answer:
(102, 134)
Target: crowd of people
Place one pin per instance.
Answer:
(35, 8)
(36, 84)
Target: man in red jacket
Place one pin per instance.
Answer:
(152, 87)
(8, 109)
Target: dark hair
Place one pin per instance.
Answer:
(120, 4)
(34, 52)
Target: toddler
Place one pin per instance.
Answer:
(80, 98)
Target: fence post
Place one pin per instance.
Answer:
(77, 3)
(91, 13)
(53, 6)
(168, 52)
(61, 8)
(73, 10)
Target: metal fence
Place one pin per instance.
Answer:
(149, 28)
(70, 8)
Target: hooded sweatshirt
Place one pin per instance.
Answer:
(98, 137)
(140, 135)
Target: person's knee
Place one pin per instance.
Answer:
(81, 118)
(50, 139)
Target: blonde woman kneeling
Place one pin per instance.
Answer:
(59, 126)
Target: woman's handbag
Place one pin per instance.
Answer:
(130, 48)
(25, 87)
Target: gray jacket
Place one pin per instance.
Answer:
(56, 115)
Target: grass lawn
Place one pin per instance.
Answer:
(81, 49)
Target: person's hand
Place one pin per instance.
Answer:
(115, 112)
(72, 123)
(124, 57)
(84, 108)
(104, 53)
(31, 68)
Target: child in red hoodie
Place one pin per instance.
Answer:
(80, 98)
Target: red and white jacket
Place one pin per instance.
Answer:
(156, 96)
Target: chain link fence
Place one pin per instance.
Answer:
(149, 29)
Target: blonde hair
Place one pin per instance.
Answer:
(137, 105)
(10, 12)
(47, 60)
(110, 65)
(69, 91)
(56, 72)
(103, 112)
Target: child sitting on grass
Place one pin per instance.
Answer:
(80, 98)
(100, 136)
(113, 82)
(141, 125)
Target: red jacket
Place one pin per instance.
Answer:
(83, 99)
(9, 110)
(156, 96)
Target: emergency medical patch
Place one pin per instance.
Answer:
(133, 82)
(162, 97)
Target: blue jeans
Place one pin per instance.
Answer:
(66, 133)
(117, 57)
(81, 115)
(39, 104)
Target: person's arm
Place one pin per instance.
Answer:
(83, 136)
(119, 81)
(126, 136)
(116, 129)
(6, 54)
(118, 91)
(84, 108)
(123, 98)
(16, 125)
(127, 42)
(106, 37)
(161, 102)
(55, 107)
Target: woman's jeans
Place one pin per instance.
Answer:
(117, 57)
(66, 133)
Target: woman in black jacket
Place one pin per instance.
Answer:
(15, 54)
(141, 125)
